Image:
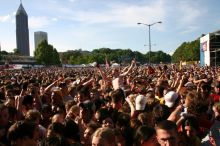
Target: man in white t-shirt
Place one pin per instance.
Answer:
(117, 81)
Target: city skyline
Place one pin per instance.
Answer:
(88, 25)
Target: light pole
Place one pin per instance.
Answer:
(149, 25)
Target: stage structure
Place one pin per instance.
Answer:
(210, 49)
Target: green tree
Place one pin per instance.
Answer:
(187, 51)
(46, 54)
(4, 53)
(55, 58)
(16, 51)
(159, 56)
(117, 55)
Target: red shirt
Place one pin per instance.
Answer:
(215, 97)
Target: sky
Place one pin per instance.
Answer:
(93, 24)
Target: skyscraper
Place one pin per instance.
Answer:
(39, 36)
(22, 31)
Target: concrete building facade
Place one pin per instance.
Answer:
(39, 36)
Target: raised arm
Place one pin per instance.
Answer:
(55, 83)
(131, 105)
(180, 84)
(103, 75)
(133, 62)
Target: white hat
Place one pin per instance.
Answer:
(170, 98)
(140, 102)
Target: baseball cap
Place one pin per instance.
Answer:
(170, 98)
(140, 102)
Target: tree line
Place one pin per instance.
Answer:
(46, 54)
(102, 55)
(187, 51)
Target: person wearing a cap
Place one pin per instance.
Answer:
(216, 94)
(171, 99)
(140, 102)
(139, 107)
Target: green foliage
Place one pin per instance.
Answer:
(55, 56)
(187, 51)
(116, 55)
(46, 54)
(158, 57)
(16, 51)
(4, 53)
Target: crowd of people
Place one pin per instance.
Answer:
(162, 105)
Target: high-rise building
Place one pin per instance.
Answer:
(39, 36)
(22, 31)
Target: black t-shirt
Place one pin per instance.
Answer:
(4, 140)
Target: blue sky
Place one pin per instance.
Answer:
(91, 24)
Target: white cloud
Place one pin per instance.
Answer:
(190, 11)
(5, 18)
(53, 1)
(130, 15)
(38, 22)
(120, 14)
(188, 14)
(54, 19)
(190, 29)
(72, 0)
